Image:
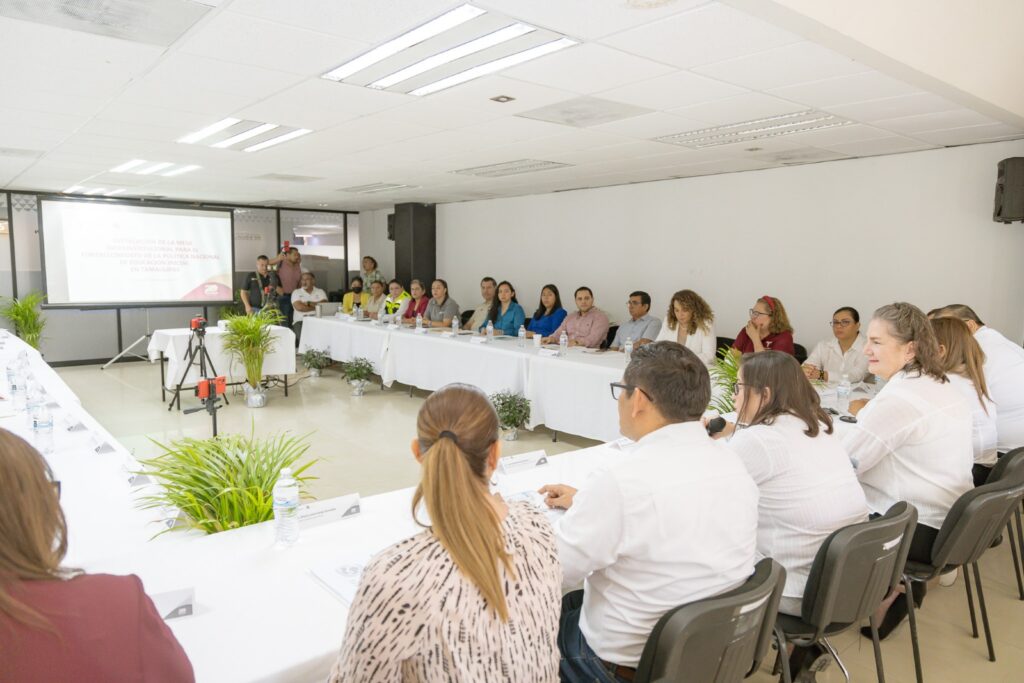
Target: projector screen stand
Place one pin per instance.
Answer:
(128, 350)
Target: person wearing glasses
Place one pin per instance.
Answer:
(417, 304)
(588, 326)
(690, 322)
(57, 623)
(642, 327)
(767, 330)
(672, 521)
(843, 355)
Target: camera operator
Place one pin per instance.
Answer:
(256, 284)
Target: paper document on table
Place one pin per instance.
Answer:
(523, 461)
(341, 576)
(537, 500)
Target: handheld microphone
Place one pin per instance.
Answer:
(716, 425)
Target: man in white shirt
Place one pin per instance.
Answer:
(1004, 374)
(673, 522)
(304, 301)
(488, 286)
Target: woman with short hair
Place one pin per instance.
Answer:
(842, 355)
(690, 322)
(417, 304)
(472, 598)
(767, 330)
(396, 303)
(375, 302)
(370, 272)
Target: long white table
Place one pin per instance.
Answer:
(567, 394)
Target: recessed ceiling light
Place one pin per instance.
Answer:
(757, 129)
(511, 168)
(73, 188)
(127, 166)
(374, 187)
(209, 130)
(502, 99)
(496, 65)
(155, 167)
(180, 170)
(245, 135)
(455, 17)
(299, 132)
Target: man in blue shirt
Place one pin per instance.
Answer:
(642, 328)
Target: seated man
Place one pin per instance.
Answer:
(304, 301)
(260, 287)
(488, 286)
(356, 296)
(671, 521)
(642, 327)
(587, 327)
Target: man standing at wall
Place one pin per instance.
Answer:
(289, 272)
(256, 284)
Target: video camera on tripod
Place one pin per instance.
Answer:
(198, 324)
(209, 390)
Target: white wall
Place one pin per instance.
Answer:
(373, 241)
(863, 232)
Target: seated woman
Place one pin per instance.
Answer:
(472, 598)
(768, 329)
(441, 308)
(60, 624)
(962, 360)
(356, 296)
(506, 314)
(912, 441)
(375, 304)
(396, 302)
(690, 322)
(587, 327)
(417, 304)
(549, 314)
(843, 355)
(808, 488)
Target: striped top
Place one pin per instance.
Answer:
(417, 618)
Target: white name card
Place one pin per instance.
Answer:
(478, 340)
(523, 461)
(393, 326)
(176, 603)
(326, 511)
(547, 352)
(447, 335)
(419, 330)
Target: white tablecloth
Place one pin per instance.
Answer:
(572, 395)
(173, 344)
(346, 340)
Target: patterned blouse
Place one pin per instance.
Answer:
(417, 618)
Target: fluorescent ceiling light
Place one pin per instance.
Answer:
(209, 130)
(757, 129)
(155, 167)
(73, 188)
(297, 133)
(455, 17)
(113, 192)
(458, 52)
(127, 166)
(496, 65)
(179, 171)
(95, 190)
(251, 133)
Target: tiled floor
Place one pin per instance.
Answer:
(363, 445)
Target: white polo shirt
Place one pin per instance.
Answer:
(672, 522)
(984, 416)
(1004, 374)
(316, 296)
(828, 356)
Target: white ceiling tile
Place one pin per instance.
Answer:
(317, 104)
(28, 137)
(704, 35)
(970, 134)
(132, 112)
(478, 93)
(893, 107)
(782, 66)
(739, 108)
(588, 19)
(890, 145)
(243, 39)
(651, 125)
(10, 116)
(439, 115)
(955, 118)
(586, 69)
(839, 134)
(729, 166)
(870, 85)
(679, 89)
(624, 153)
(514, 129)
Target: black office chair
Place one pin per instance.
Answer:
(853, 571)
(720, 639)
(1005, 465)
(800, 353)
(464, 318)
(610, 337)
(970, 528)
(723, 343)
(526, 323)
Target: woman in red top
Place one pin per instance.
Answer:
(768, 329)
(418, 304)
(60, 624)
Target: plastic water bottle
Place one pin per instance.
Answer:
(490, 331)
(18, 397)
(286, 508)
(11, 371)
(563, 344)
(455, 325)
(419, 321)
(843, 392)
(522, 336)
(356, 312)
(42, 429)
(34, 399)
(627, 348)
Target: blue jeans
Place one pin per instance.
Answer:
(579, 663)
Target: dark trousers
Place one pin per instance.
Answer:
(284, 304)
(579, 663)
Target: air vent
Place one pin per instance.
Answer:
(758, 129)
(285, 178)
(374, 187)
(584, 111)
(511, 168)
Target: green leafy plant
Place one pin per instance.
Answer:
(26, 317)
(358, 369)
(224, 482)
(249, 339)
(724, 376)
(513, 410)
(316, 359)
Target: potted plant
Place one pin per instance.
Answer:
(224, 482)
(26, 317)
(316, 360)
(357, 373)
(724, 376)
(248, 338)
(513, 412)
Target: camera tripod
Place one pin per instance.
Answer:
(209, 392)
(196, 349)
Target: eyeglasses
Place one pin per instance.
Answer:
(754, 313)
(736, 388)
(840, 323)
(618, 387)
(634, 303)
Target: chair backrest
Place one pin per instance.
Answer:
(718, 639)
(856, 567)
(978, 516)
(723, 343)
(610, 337)
(800, 353)
(465, 316)
(327, 309)
(1008, 463)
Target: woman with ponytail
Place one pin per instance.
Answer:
(473, 597)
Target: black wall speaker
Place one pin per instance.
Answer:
(1009, 191)
(391, 227)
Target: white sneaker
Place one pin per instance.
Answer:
(949, 578)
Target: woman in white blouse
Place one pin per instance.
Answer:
(841, 355)
(690, 322)
(912, 441)
(375, 303)
(963, 361)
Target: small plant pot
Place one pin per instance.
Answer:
(510, 433)
(358, 386)
(315, 372)
(255, 398)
